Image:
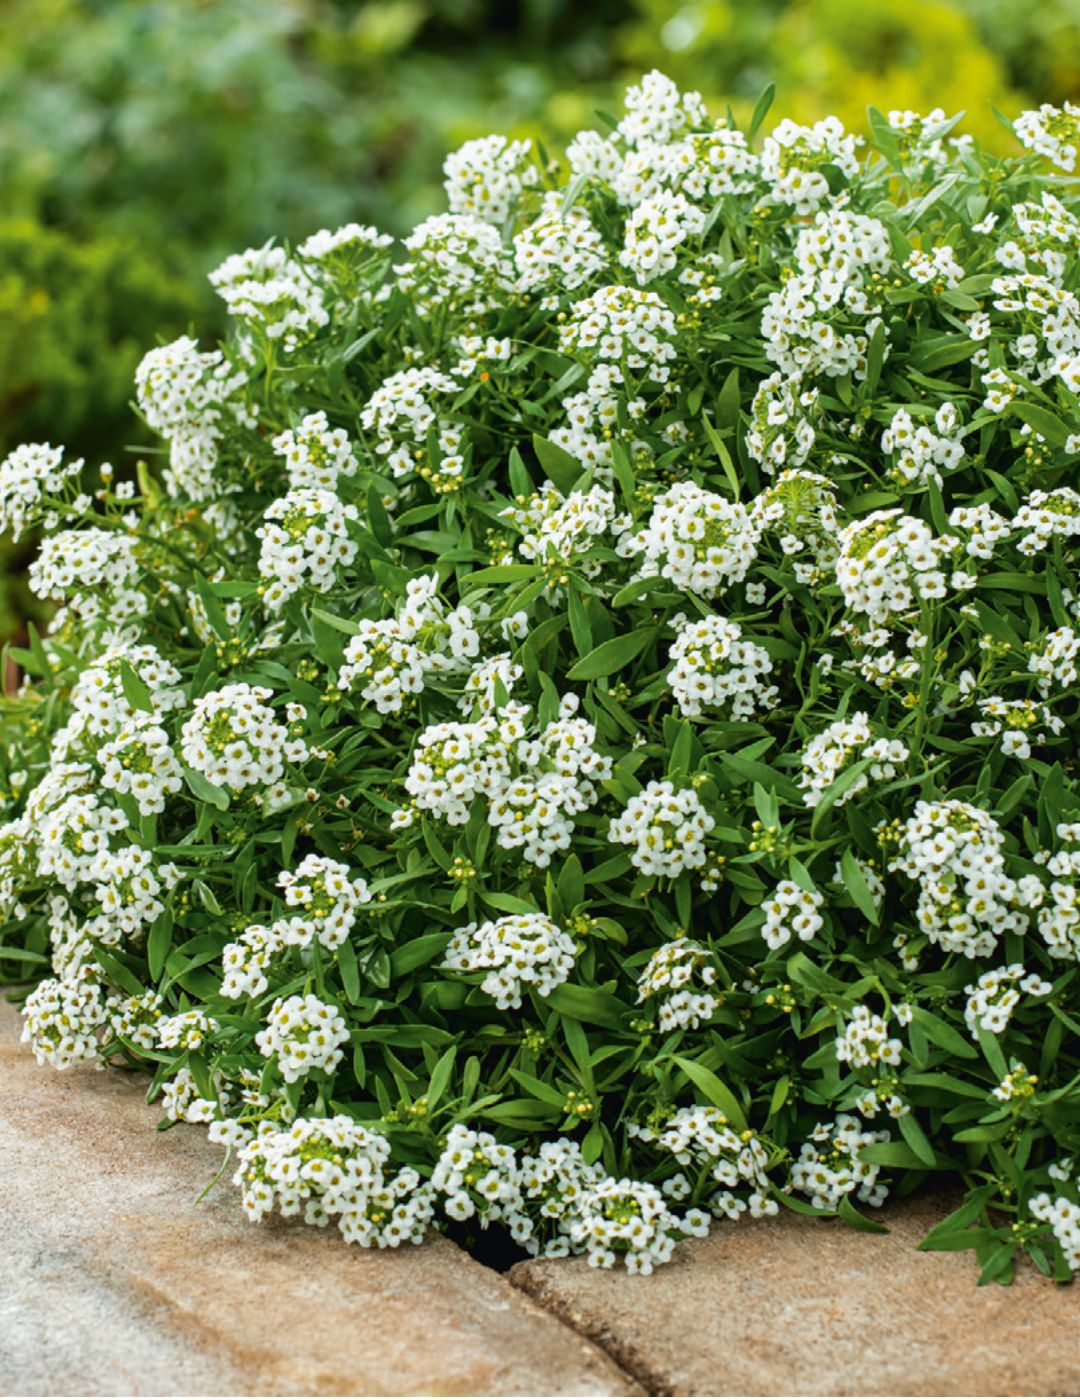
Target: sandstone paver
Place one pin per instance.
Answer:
(115, 1282)
(800, 1306)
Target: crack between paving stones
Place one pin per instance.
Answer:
(494, 1251)
(632, 1365)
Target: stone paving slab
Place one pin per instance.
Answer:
(114, 1282)
(794, 1305)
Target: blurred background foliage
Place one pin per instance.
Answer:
(141, 140)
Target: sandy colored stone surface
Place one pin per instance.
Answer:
(114, 1282)
(800, 1306)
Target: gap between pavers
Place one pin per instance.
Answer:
(794, 1305)
(115, 1282)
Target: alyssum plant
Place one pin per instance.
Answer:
(576, 728)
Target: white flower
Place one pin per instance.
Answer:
(233, 738)
(303, 1034)
(702, 542)
(716, 668)
(666, 826)
(682, 974)
(522, 950)
(791, 912)
(30, 472)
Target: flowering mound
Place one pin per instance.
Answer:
(575, 727)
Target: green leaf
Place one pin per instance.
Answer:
(136, 693)
(377, 518)
(349, 971)
(546, 1093)
(917, 1140)
(590, 1004)
(418, 952)
(440, 1077)
(891, 1154)
(562, 469)
(850, 1216)
(715, 1090)
(159, 944)
(856, 886)
(1048, 424)
(761, 111)
(941, 1033)
(205, 790)
(612, 656)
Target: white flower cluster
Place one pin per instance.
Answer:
(92, 570)
(1053, 132)
(921, 453)
(29, 473)
(1063, 1217)
(1055, 661)
(682, 973)
(984, 527)
(936, 268)
(304, 541)
(793, 157)
(140, 762)
(333, 1168)
(623, 327)
(316, 455)
(782, 418)
(390, 660)
(486, 177)
(233, 739)
(187, 1030)
(838, 746)
(99, 706)
(698, 540)
(348, 244)
(515, 952)
(402, 413)
(582, 1210)
(800, 509)
(1018, 1085)
(657, 112)
(136, 1019)
(1058, 908)
(956, 852)
(480, 1178)
(127, 884)
(561, 248)
(702, 1136)
(820, 319)
(303, 1034)
(994, 996)
(62, 1018)
(329, 904)
(666, 826)
(715, 667)
(890, 562)
(631, 1220)
(1045, 235)
(1020, 723)
(455, 261)
(534, 786)
(864, 1041)
(182, 391)
(558, 530)
(1047, 515)
(791, 912)
(271, 295)
(655, 231)
(829, 1166)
